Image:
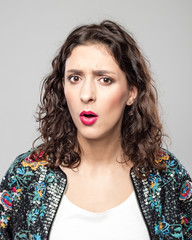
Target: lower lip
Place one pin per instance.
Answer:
(88, 121)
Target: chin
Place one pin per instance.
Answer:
(94, 135)
(90, 137)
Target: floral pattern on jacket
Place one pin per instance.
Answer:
(30, 194)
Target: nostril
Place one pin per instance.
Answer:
(87, 99)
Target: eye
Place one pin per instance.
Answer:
(106, 80)
(74, 79)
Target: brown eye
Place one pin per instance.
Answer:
(106, 80)
(74, 79)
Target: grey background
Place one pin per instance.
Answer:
(32, 31)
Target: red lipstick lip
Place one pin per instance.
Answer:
(88, 120)
(88, 113)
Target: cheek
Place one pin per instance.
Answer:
(70, 100)
(69, 95)
(117, 100)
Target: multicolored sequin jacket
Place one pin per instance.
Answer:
(30, 194)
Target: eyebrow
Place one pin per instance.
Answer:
(95, 72)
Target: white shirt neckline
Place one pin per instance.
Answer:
(94, 214)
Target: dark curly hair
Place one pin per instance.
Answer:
(141, 129)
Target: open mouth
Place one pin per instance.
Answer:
(88, 114)
(88, 117)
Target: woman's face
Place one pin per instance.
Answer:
(96, 91)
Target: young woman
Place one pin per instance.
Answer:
(101, 171)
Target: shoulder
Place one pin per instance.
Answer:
(24, 187)
(25, 171)
(27, 177)
(174, 179)
(25, 165)
(175, 174)
(173, 164)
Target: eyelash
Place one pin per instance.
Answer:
(71, 79)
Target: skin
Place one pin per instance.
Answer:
(94, 82)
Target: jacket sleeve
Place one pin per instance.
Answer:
(6, 200)
(10, 194)
(186, 204)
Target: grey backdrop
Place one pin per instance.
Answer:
(32, 31)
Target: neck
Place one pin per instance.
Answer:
(101, 153)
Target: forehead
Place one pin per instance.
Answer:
(95, 55)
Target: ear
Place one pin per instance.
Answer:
(133, 91)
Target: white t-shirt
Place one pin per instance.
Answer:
(119, 223)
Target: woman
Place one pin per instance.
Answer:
(100, 171)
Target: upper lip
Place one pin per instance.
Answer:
(88, 113)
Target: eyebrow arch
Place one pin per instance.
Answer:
(102, 72)
(75, 71)
(95, 72)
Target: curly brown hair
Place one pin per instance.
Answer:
(141, 129)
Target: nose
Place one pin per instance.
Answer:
(88, 91)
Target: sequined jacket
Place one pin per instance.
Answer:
(30, 194)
